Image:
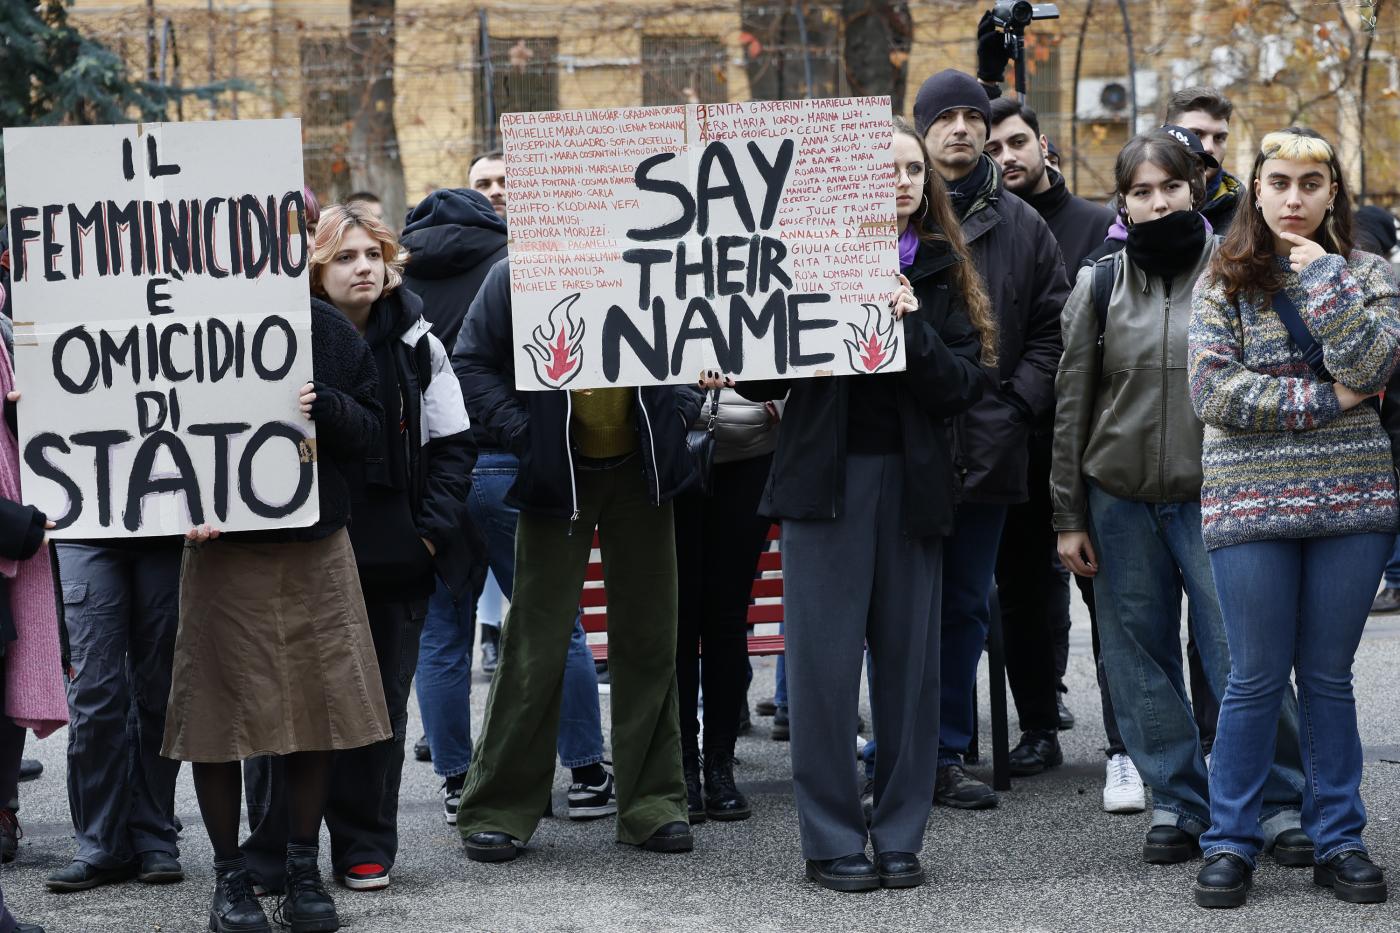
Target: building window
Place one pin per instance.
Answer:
(326, 111)
(1043, 91)
(524, 77)
(682, 70)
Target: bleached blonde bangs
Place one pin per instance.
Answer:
(335, 222)
(1296, 148)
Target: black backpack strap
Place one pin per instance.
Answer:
(1102, 293)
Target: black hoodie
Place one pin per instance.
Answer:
(453, 238)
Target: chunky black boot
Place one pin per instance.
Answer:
(1353, 877)
(694, 799)
(307, 907)
(723, 801)
(1223, 882)
(235, 909)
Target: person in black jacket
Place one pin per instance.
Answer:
(453, 238)
(863, 525)
(610, 459)
(1019, 260)
(274, 653)
(409, 529)
(1042, 635)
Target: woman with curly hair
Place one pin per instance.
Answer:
(1292, 334)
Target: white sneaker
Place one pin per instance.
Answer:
(451, 797)
(1122, 787)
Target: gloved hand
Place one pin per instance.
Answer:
(992, 57)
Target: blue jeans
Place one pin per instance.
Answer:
(1149, 554)
(490, 605)
(1293, 606)
(1392, 567)
(580, 722)
(969, 566)
(445, 680)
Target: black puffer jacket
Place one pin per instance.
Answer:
(1025, 276)
(432, 425)
(942, 378)
(535, 425)
(347, 414)
(453, 238)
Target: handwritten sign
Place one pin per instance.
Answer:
(648, 244)
(162, 326)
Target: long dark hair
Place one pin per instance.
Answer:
(1245, 261)
(1166, 152)
(935, 222)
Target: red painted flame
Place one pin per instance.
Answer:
(562, 362)
(872, 353)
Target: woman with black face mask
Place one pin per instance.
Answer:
(1126, 487)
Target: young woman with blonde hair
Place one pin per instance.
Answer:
(274, 654)
(1292, 334)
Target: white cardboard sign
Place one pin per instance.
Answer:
(650, 243)
(162, 326)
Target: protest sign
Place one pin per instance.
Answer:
(162, 326)
(650, 243)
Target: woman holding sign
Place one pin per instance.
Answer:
(863, 525)
(409, 502)
(274, 654)
(1292, 334)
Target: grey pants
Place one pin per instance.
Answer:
(853, 581)
(121, 606)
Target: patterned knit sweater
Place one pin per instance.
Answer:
(1280, 458)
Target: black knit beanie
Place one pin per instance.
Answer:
(948, 89)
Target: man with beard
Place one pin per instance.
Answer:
(1016, 143)
(1033, 586)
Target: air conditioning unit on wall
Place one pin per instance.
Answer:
(1109, 100)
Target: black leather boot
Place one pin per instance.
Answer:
(723, 801)
(1352, 877)
(1037, 751)
(235, 909)
(694, 799)
(1223, 882)
(307, 907)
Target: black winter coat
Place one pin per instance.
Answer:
(347, 415)
(453, 238)
(942, 378)
(384, 529)
(1079, 226)
(1025, 277)
(535, 425)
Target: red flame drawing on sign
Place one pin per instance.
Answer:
(556, 355)
(875, 344)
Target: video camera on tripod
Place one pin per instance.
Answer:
(1012, 17)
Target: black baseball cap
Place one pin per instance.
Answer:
(1191, 141)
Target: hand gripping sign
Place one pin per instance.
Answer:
(162, 326)
(648, 244)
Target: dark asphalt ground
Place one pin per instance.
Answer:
(1048, 859)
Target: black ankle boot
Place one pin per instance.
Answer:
(1353, 877)
(307, 907)
(722, 799)
(235, 909)
(694, 800)
(1223, 882)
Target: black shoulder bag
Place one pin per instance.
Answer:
(700, 441)
(1287, 312)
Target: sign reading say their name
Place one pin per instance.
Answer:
(648, 244)
(162, 326)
